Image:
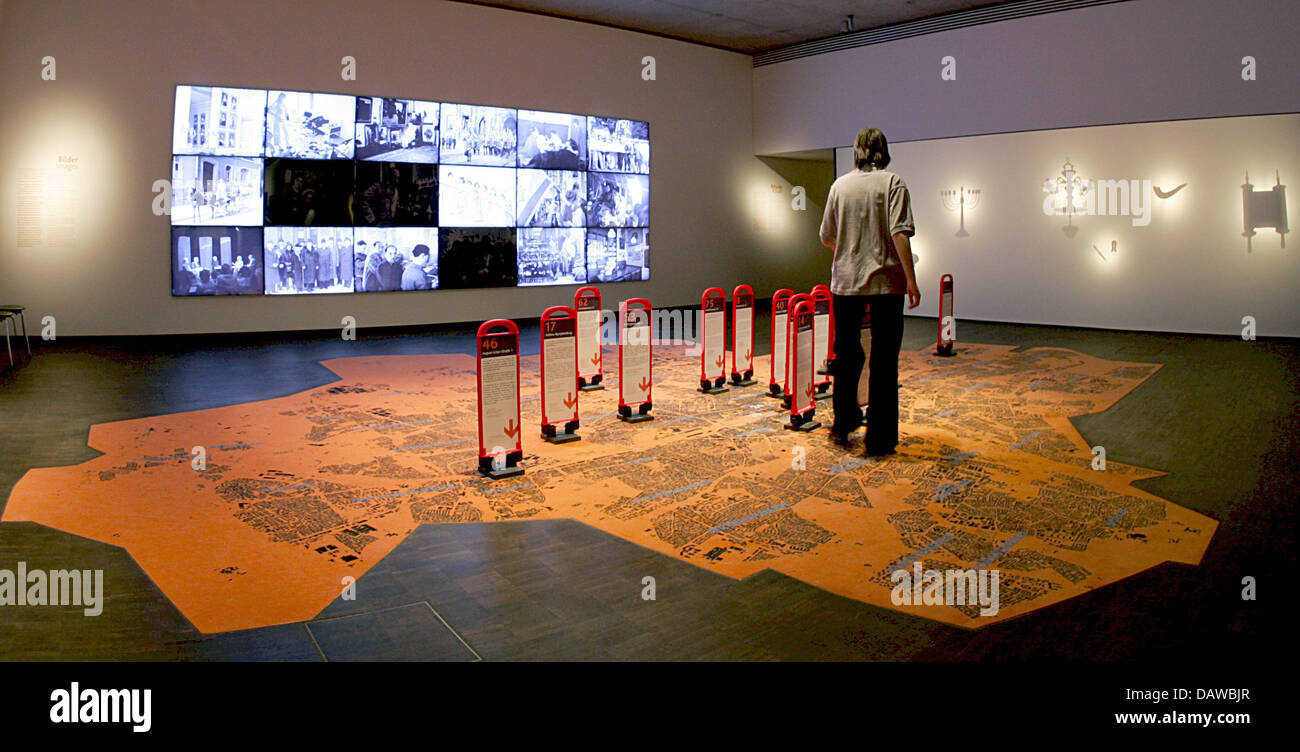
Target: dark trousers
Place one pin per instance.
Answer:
(882, 385)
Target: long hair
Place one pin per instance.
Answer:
(871, 148)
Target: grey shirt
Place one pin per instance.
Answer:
(864, 210)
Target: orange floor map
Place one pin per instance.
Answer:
(303, 491)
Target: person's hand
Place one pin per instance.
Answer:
(913, 296)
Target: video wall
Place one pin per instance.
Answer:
(295, 193)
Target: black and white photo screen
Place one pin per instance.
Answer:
(552, 140)
(217, 261)
(304, 193)
(219, 121)
(310, 126)
(308, 260)
(474, 135)
(397, 130)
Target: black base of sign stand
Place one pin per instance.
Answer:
(550, 434)
(803, 422)
(746, 380)
(775, 392)
(594, 386)
(642, 414)
(785, 402)
(713, 387)
(945, 350)
(508, 470)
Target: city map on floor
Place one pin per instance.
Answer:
(303, 491)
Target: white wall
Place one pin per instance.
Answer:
(1188, 270)
(1143, 60)
(111, 108)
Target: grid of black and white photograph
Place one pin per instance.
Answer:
(396, 130)
(294, 193)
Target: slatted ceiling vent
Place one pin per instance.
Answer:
(947, 22)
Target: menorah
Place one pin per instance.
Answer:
(957, 201)
(1069, 190)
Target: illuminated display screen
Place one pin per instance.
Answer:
(292, 193)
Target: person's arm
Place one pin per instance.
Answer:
(902, 228)
(829, 229)
(903, 245)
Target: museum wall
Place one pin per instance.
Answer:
(1127, 62)
(101, 133)
(1036, 80)
(1177, 264)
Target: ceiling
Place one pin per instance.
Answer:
(742, 25)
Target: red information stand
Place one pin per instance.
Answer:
(500, 433)
(795, 300)
(742, 336)
(823, 334)
(713, 358)
(586, 301)
(559, 375)
(803, 404)
(634, 353)
(830, 341)
(945, 313)
(864, 334)
(780, 315)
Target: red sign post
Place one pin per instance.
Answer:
(803, 403)
(780, 314)
(634, 353)
(586, 301)
(713, 358)
(795, 300)
(500, 432)
(947, 322)
(742, 336)
(823, 331)
(830, 345)
(559, 375)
